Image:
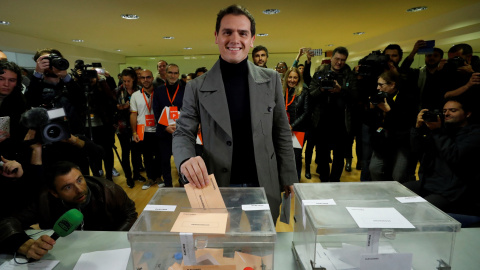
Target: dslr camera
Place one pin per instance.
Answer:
(432, 116)
(50, 125)
(454, 63)
(379, 97)
(328, 81)
(57, 62)
(373, 64)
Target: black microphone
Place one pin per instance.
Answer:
(34, 118)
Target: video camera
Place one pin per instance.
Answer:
(57, 61)
(49, 124)
(373, 64)
(379, 97)
(82, 73)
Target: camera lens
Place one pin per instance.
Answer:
(53, 132)
(60, 63)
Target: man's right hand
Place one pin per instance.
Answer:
(36, 249)
(136, 138)
(195, 171)
(42, 64)
(420, 120)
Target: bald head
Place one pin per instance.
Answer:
(3, 56)
(146, 80)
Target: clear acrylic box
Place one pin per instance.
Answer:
(249, 232)
(330, 227)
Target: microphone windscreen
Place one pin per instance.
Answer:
(68, 222)
(34, 118)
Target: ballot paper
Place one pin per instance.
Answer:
(40, 265)
(207, 197)
(394, 261)
(189, 222)
(108, 259)
(285, 208)
(387, 218)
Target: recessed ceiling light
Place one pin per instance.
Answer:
(152, 57)
(416, 9)
(187, 48)
(118, 50)
(4, 23)
(262, 35)
(168, 37)
(359, 33)
(130, 16)
(271, 11)
(329, 45)
(77, 40)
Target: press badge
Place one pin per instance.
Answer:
(149, 120)
(174, 112)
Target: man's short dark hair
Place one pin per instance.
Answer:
(172, 65)
(58, 169)
(235, 10)
(439, 51)
(47, 50)
(340, 50)
(259, 48)
(6, 65)
(200, 69)
(162, 61)
(466, 104)
(395, 47)
(467, 49)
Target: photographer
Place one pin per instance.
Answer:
(390, 116)
(449, 178)
(333, 90)
(52, 87)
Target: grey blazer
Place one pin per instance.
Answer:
(205, 102)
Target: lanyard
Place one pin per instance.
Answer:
(176, 91)
(146, 102)
(286, 100)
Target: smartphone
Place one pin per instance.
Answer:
(316, 52)
(428, 48)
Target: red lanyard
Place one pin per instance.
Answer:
(146, 102)
(176, 91)
(286, 100)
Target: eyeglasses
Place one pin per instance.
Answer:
(381, 84)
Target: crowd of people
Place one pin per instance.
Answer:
(57, 127)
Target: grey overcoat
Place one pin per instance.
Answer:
(205, 102)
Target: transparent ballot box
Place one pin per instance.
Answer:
(248, 241)
(348, 225)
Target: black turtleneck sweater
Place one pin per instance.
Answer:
(235, 81)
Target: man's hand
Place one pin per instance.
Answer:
(4, 135)
(135, 137)
(336, 89)
(42, 64)
(36, 249)
(11, 168)
(418, 45)
(288, 190)
(196, 172)
(420, 121)
(474, 80)
(466, 69)
(384, 105)
(171, 128)
(441, 64)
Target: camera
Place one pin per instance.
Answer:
(81, 70)
(454, 63)
(379, 97)
(432, 116)
(50, 125)
(58, 62)
(328, 81)
(373, 64)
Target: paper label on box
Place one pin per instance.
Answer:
(255, 207)
(188, 248)
(319, 202)
(388, 218)
(397, 261)
(160, 208)
(412, 199)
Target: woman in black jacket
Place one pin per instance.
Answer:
(296, 104)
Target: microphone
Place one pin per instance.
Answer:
(67, 223)
(35, 118)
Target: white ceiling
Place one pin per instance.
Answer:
(312, 23)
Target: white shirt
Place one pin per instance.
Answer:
(138, 105)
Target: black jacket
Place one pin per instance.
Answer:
(298, 110)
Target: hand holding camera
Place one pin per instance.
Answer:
(432, 119)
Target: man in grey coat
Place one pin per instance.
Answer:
(246, 136)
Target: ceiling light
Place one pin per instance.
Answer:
(329, 45)
(187, 48)
(152, 57)
(4, 23)
(271, 11)
(168, 37)
(262, 35)
(77, 40)
(359, 33)
(130, 17)
(118, 50)
(416, 9)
